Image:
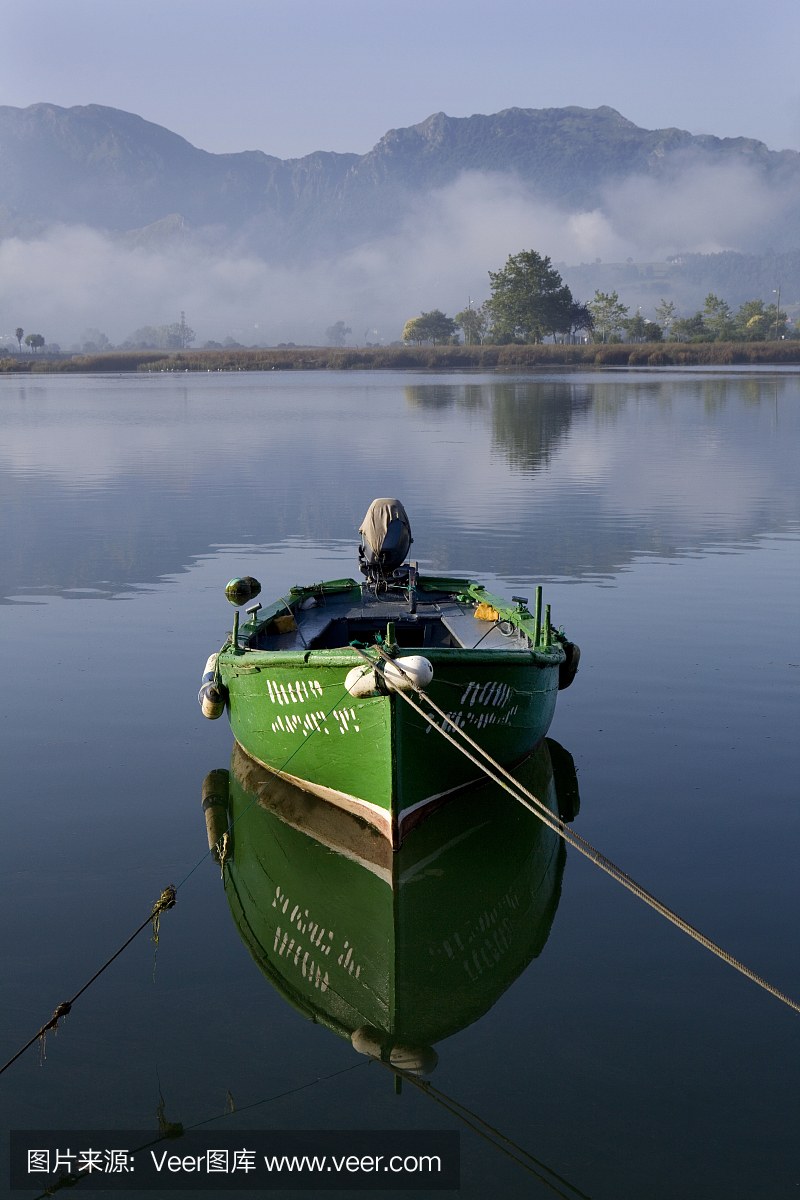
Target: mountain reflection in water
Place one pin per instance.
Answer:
(391, 951)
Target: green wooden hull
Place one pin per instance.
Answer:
(375, 756)
(409, 946)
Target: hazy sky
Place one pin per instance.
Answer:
(306, 75)
(289, 78)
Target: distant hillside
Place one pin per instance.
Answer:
(114, 171)
(689, 278)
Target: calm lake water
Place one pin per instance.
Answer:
(661, 511)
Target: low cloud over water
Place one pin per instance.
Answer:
(69, 278)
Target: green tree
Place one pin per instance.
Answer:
(176, 336)
(608, 313)
(635, 328)
(691, 329)
(777, 325)
(529, 299)
(580, 318)
(35, 341)
(666, 314)
(639, 329)
(757, 322)
(438, 327)
(751, 321)
(413, 331)
(474, 323)
(18, 332)
(433, 326)
(718, 318)
(336, 334)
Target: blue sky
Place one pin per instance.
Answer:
(289, 78)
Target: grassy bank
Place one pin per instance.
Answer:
(122, 360)
(647, 354)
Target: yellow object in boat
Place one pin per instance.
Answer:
(485, 612)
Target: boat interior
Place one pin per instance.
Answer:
(429, 620)
(393, 604)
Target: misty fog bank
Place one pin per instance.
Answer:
(70, 277)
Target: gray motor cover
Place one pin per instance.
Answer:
(385, 534)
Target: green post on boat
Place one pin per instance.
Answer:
(537, 617)
(546, 626)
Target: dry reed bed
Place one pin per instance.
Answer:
(646, 354)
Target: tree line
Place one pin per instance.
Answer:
(176, 336)
(529, 301)
(754, 321)
(34, 341)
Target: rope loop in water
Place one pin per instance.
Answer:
(165, 901)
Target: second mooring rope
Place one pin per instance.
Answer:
(165, 901)
(500, 776)
(523, 1158)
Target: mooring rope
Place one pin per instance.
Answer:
(173, 1130)
(279, 1095)
(500, 776)
(459, 1109)
(165, 901)
(486, 1131)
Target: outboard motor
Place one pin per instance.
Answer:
(385, 542)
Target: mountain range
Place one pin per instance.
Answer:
(113, 171)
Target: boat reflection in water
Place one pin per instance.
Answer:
(392, 950)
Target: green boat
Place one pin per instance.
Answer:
(314, 683)
(393, 951)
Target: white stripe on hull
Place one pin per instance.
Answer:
(376, 816)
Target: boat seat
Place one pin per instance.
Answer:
(312, 625)
(467, 631)
(314, 622)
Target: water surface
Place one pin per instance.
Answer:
(660, 510)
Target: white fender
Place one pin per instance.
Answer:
(211, 697)
(361, 682)
(418, 669)
(414, 1060)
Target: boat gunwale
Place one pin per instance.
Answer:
(552, 656)
(457, 590)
